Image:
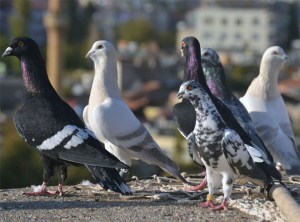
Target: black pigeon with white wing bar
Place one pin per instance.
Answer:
(51, 126)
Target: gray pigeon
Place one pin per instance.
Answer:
(224, 153)
(268, 112)
(113, 123)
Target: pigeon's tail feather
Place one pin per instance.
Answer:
(109, 178)
(174, 172)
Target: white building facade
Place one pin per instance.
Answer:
(235, 28)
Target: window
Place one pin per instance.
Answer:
(224, 21)
(208, 20)
(255, 36)
(255, 21)
(238, 21)
(207, 35)
(237, 36)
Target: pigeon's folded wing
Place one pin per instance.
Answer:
(185, 117)
(246, 160)
(119, 126)
(237, 154)
(192, 148)
(78, 145)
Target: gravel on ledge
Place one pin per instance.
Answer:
(154, 199)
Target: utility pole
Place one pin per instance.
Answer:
(55, 23)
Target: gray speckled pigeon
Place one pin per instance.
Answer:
(268, 112)
(224, 153)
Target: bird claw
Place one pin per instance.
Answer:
(207, 204)
(44, 192)
(222, 206)
(201, 186)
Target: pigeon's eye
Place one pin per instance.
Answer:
(205, 53)
(20, 43)
(100, 47)
(275, 53)
(182, 45)
(189, 87)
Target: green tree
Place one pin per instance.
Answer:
(19, 19)
(138, 30)
(21, 166)
(18, 26)
(76, 45)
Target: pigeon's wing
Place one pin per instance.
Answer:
(279, 111)
(78, 145)
(59, 133)
(242, 160)
(86, 117)
(118, 125)
(244, 119)
(185, 117)
(266, 117)
(192, 149)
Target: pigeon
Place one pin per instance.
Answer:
(224, 153)
(191, 52)
(268, 112)
(108, 116)
(52, 127)
(215, 79)
(184, 113)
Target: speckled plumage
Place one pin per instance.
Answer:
(221, 149)
(193, 70)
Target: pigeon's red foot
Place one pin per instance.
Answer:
(44, 192)
(207, 204)
(201, 186)
(210, 204)
(222, 206)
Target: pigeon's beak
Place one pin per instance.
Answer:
(179, 95)
(286, 58)
(8, 52)
(88, 55)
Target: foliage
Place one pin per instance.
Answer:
(131, 31)
(18, 23)
(21, 165)
(11, 63)
(18, 20)
(76, 45)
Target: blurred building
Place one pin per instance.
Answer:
(35, 26)
(239, 25)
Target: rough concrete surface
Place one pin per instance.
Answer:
(155, 199)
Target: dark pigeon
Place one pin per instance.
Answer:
(191, 52)
(50, 125)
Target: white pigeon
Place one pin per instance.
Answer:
(268, 112)
(113, 123)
